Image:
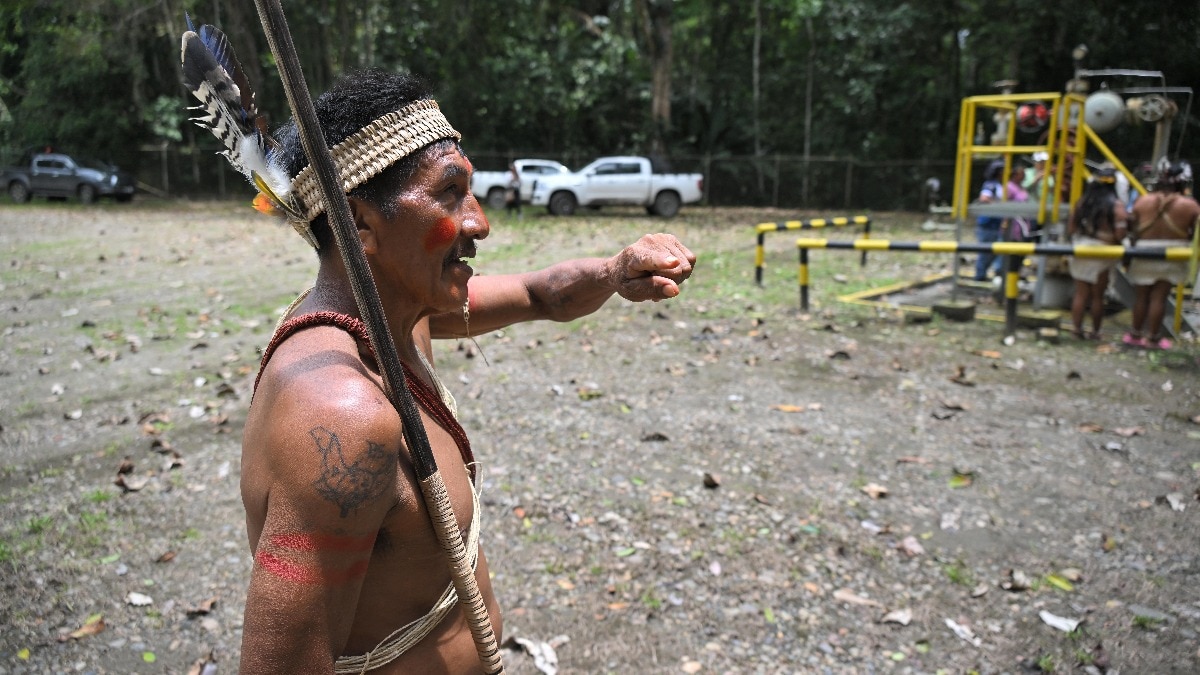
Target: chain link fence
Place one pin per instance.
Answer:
(782, 181)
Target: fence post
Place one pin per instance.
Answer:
(775, 196)
(849, 181)
(708, 179)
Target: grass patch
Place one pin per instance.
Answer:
(958, 573)
(39, 524)
(1147, 622)
(98, 496)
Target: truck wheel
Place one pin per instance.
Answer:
(666, 204)
(87, 194)
(19, 192)
(496, 198)
(563, 204)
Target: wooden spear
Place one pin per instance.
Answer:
(337, 209)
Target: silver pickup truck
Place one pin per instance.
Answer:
(54, 174)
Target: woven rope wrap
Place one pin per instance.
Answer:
(374, 148)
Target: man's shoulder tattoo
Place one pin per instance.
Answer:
(350, 485)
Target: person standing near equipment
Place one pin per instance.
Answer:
(1098, 219)
(1164, 217)
(988, 228)
(514, 190)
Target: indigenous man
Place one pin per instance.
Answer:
(1098, 219)
(348, 574)
(1164, 217)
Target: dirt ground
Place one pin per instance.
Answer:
(715, 484)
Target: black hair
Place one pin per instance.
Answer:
(357, 99)
(994, 171)
(1095, 207)
(1175, 177)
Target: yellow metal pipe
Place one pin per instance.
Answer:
(1098, 251)
(1108, 154)
(990, 99)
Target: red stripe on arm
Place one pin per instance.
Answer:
(310, 574)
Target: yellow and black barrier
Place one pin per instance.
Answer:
(1014, 251)
(816, 223)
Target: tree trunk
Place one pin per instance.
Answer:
(756, 93)
(808, 105)
(657, 25)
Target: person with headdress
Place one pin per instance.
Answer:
(348, 572)
(1166, 216)
(1098, 219)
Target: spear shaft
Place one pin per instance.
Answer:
(366, 295)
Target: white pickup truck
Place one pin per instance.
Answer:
(490, 187)
(618, 180)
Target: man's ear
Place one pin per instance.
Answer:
(367, 219)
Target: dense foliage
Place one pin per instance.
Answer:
(718, 78)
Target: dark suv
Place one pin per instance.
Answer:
(54, 174)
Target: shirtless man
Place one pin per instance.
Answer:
(1164, 217)
(344, 551)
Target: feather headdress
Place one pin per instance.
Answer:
(227, 109)
(212, 73)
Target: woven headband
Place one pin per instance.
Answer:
(370, 150)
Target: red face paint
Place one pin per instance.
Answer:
(323, 542)
(310, 574)
(443, 232)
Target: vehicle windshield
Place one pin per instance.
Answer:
(96, 164)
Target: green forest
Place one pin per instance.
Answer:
(753, 85)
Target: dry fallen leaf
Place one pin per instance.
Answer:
(202, 609)
(987, 353)
(963, 632)
(166, 557)
(1016, 581)
(787, 408)
(874, 490)
(204, 666)
(92, 626)
(960, 377)
(911, 547)
(850, 597)
(138, 599)
(1060, 622)
(131, 483)
(900, 616)
(1090, 428)
(1127, 432)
